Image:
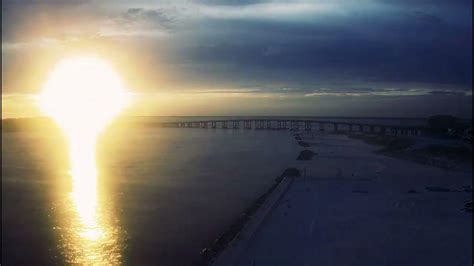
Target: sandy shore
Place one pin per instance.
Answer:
(359, 207)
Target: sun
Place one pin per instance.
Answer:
(82, 94)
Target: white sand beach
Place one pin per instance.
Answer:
(356, 207)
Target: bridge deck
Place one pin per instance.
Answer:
(296, 124)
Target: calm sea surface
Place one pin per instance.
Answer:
(161, 194)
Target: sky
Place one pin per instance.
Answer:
(410, 58)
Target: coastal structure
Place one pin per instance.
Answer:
(300, 124)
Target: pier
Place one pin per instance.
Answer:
(300, 124)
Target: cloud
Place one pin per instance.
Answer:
(389, 92)
(232, 2)
(40, 43)
(270, 91)
(427, 17)
(267, 10)
(148, 18)
(272, 51)
(451, 92)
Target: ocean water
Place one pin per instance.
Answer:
(161, 194)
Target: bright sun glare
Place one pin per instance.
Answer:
(83, 94)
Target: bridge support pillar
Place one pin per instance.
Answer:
(308, 125)
(247, 124)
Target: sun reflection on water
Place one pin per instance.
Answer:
(83, 95)
(92, 238)
(89, 230)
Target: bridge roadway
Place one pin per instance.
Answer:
(291, 124)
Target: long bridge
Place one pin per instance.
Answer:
(299, 124)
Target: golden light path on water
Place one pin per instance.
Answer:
(82, 95)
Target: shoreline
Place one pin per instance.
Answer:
(219, 253)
